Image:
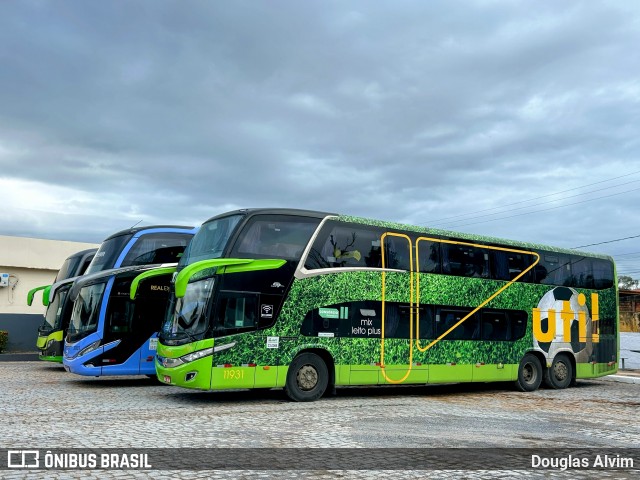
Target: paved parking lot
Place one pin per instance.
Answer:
(44, 407)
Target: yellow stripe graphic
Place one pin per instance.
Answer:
(415, 301)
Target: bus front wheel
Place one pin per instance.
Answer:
(560, 373)
(529, 373)
(307, 378)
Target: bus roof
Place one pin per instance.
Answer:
(273, 211)
(82, 253)
(134, 230)
(409, 227)
(469, 236)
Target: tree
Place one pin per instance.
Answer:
(627, 283)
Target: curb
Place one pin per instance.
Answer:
(18, 357)
(622, 378)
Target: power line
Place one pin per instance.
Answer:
(608, 241)
(551, 201)
(545, 209)
(537, 198)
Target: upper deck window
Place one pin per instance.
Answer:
(68, 268)
(157, 248)
(465, 260)
(211, 240)
(347, 245)
(343, 245)
(108, 253)
(275, 236)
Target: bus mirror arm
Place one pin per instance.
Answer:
(144, 275)
(225, 265)
(45, 295)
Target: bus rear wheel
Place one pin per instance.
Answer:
(560, 374)
(307, 378)
(529, 373)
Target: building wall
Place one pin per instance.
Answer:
(30, 263)
(629, 311)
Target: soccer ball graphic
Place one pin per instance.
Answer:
(556, 300)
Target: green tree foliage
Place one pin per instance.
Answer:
(4, 338)
(627, 283)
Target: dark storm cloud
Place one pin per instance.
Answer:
(411, 111)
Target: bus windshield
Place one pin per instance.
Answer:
(53, 315)
(156, 248)
(210, 241)
(108, 253)
(84, 319)
(263, 236)
(68, 268)
(185, 317)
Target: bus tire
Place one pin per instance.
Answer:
(307, 378)
(560, 374)
(529, 373)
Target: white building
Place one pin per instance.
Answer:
(26, 263)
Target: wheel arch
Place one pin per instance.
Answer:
(567, 353)
(539, 355)
(326, 357)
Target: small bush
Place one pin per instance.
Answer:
(4, 338)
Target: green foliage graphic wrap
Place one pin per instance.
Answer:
(319, 291)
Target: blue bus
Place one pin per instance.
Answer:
(51, 332)
(109, 333)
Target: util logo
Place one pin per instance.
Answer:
(568, 316)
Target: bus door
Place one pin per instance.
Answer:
(400, 310)
(134, 325)
(234, 359)
(121, 355)
(150, 310)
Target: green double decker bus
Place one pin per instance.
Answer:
(309, 301)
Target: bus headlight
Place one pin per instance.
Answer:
(169, 362)
(89, 348)
(190, 357)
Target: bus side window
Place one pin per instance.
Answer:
(237, 311)
(518, 324)
(398, 320)
(582, 273)
(603, 273)
(465, 261)
(396, 253)
(554, 269)
(494, 326)
(342, 244)
(447, 318)
(426, 328)
(508, 265)
(500, 265)
(428, 256)
(358, 319)
(518, 263)
(121, 315)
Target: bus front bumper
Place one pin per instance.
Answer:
(196, 374)
(50, 347)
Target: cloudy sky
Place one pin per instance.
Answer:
(513, 119)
